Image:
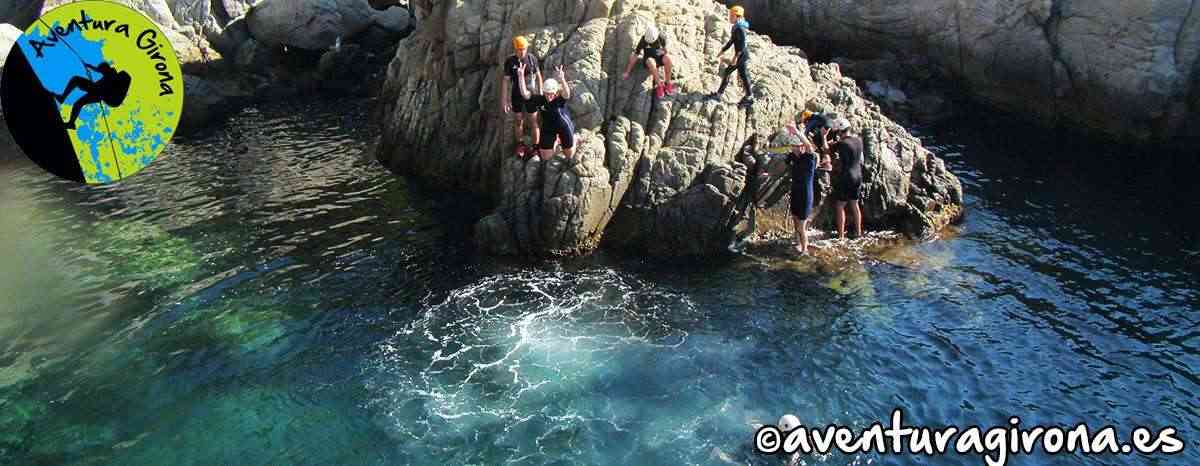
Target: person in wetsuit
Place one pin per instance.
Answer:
(551, 106)
(511, 99)
(816, 128)
(111, 88)
(802, 159)
(652, 50)
(847, 183)
(741, 58)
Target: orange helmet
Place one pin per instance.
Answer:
(520, 43)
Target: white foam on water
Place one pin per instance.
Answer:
(542, 362)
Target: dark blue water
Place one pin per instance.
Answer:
(268, 294)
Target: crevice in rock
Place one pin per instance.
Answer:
(1179, 36)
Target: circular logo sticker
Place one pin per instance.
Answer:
(92, 91)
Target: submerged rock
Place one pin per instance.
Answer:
(655, 175)
(1123, 67)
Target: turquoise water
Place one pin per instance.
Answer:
(267, 294)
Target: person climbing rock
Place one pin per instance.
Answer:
(816, 128)
(741, 57)
(111, 88)
(521, 68)
(551, 106)
(652, 50)
(848, 179)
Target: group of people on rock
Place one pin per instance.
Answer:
(541, 103)
(812, 145)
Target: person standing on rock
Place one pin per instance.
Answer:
(847, 184)
(652, 49)
(803, 161)
(551, 106)
(521, 68)
(741, 57)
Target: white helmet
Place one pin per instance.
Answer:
(839, 124)
(788, 422)
(550, 86)
(651, 34)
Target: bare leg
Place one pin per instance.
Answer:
(801, 234)
(856, 218)
(569, 152)
(666, 59)
(537, 130)
(839, 210)
(546, 154)
(653, 71)
(519, 126)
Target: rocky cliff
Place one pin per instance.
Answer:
(657, 175)
(1127, 68)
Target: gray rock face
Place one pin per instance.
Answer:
(8, 37)
(656, 175)
(19, 13)
(1127, 68)
(316, 24)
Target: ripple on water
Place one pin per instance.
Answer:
(539, 367)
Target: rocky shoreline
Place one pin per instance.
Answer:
(1127, 70)
(660, 176)
(657, 175)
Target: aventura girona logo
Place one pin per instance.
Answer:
(92, 91)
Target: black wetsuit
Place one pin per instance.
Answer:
(519, 103)
(813, 126)
(804, 169)
(652, 50)
(555, 121)
(737, 40)
(848, 183)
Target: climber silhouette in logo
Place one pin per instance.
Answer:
(110, 89)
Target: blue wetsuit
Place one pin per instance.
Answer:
(804, 169)
(555, 121)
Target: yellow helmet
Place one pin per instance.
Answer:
(804, 116)
(520, 43)
(738, 11)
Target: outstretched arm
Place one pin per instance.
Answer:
(521, 82)
(562, 80)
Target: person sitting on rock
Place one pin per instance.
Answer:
(848, 179)
(652, 49)
(111, 88)
(741, 57)
(551, 106)
(521, 67)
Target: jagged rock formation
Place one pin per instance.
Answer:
(316, 24)
(658, 175)
(1128, 68)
